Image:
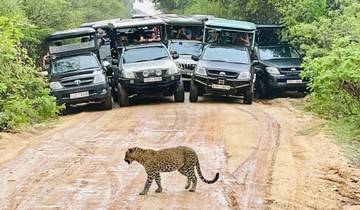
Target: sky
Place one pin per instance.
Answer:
(145, 6)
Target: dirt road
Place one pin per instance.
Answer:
(269, 155)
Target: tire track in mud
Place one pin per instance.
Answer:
(255, 173)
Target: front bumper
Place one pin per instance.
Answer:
(97, 92)
(231, 86)
(139, 86)
(290, 83)
(186, 74)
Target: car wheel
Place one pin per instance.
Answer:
(179, 94)
(114, 95)
(123, 96)
(260, 89)
(107, 104)
(248, 97)
(194, 92)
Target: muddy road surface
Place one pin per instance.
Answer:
(270, 155)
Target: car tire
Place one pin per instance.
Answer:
(194, 92)
(107, 104)
(114, 95)
(123, 96)
(260, 89)
(179, 94)
(248, 97)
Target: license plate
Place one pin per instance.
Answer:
(297, 81)
(189, 73)
(153, 79)
(221, 87)
(79, 95)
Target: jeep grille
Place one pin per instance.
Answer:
(228, 74)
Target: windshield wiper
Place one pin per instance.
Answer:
(159, 58)
(217, 60)
(141, 61)
(90, 68)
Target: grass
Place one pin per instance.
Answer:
(347, 135)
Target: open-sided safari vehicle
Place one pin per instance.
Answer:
(231, 32)
(144, 65)
(225, 66)
(184, 34)
(104, 33)
(75, 73)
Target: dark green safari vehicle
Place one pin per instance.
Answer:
(279, 63)
(75, 73)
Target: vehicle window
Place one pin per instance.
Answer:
(278, 52)
(105, 51)
(186, 48)
(185, 32)
(145, 54)
(229, 37)
(230, 55)
(74, 63)
(70, 44)
(138, 35)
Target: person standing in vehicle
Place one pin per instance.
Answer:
(185, 33)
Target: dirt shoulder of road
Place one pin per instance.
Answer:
(13, 144)
(309, 170)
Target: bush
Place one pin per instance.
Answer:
(24, 96)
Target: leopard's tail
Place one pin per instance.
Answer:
(202, 177)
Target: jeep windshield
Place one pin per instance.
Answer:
(74, 63)
(137, 55)
(277, 52)
(229, 55)
(186, 48)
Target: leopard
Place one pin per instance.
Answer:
(181, 158)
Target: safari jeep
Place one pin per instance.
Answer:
(184, 34)
(75, 72)
(225, 66)
(279, 65)
(144, 64)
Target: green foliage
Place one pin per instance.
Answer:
(330, 37)
(24, 97)
(262, 11)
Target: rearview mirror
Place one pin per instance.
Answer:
(195, 57)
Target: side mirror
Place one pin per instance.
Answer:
(106, 64)
(175, 56)
(255, 62)
(43, 74)
(195, 57)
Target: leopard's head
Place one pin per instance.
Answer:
(132, 154)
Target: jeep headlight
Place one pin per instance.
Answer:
(173, 70)
(200, 70)
(99, 78)
(244, 76)
(128, 75)
(55, 86)
(272, 70)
